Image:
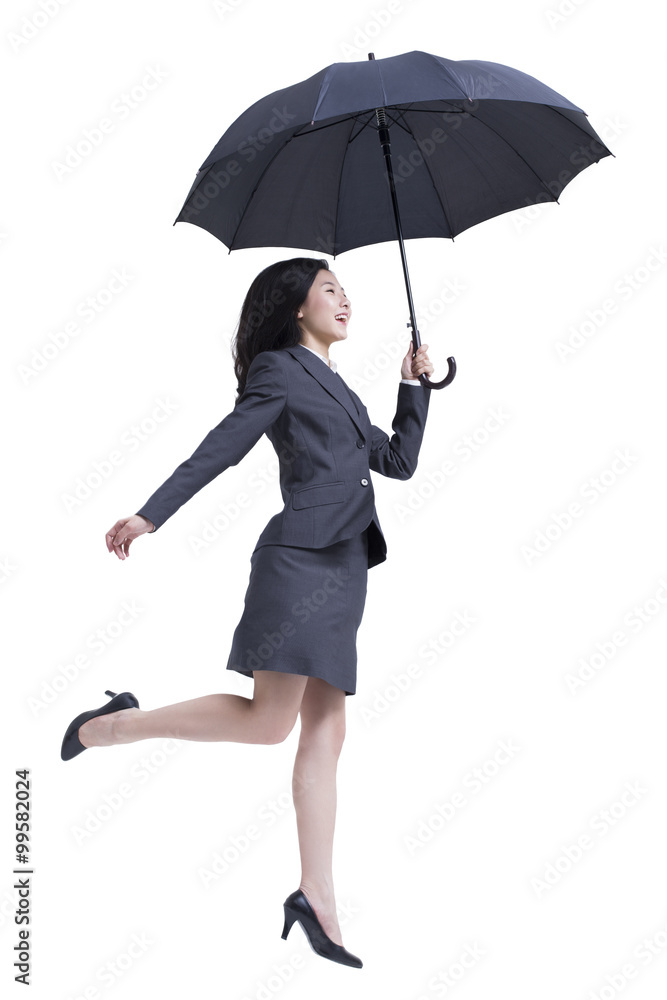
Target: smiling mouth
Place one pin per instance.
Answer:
(341, 318)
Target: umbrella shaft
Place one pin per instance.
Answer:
(385, 142)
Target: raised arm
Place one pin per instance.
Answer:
(397, 456)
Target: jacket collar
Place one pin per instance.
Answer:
(328, 379)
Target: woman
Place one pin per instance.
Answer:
(307, 586)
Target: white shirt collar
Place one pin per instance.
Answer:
(330, 363)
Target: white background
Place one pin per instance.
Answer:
(415, 733)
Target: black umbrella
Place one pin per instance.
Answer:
(471, 140)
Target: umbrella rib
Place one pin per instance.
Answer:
(435, 188)
(297, 134)
(364, 124)
(559, 112)
(355, 117)
(340, 181)
(328, 124)
(516, 151)
(352, 118)
(258, 182)
(397, 121)
(430, 111)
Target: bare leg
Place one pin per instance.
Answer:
(268, 717)
(314, 792)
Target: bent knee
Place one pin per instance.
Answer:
(278, 730)
(327, 736)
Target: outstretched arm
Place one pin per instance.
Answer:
(256, 409)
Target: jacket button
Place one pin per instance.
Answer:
(360, 444)
(364, 482)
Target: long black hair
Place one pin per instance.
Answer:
(268, 315)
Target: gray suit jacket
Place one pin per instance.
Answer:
(326, 447)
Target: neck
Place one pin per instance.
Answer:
(316, 346)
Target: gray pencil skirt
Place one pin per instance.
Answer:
(302, 611)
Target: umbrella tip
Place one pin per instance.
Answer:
(371, 55)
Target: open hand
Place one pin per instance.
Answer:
(120, 537)
(413, 367)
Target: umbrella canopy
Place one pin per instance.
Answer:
(470, 141)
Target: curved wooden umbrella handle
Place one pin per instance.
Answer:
(416, 342)
(425, 380)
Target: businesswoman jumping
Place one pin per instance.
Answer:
(307, 586)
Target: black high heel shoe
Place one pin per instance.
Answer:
(297, 907)
(72, 745)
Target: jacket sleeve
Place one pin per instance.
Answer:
(260, 404)
(397, 456)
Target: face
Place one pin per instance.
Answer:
(325, 314)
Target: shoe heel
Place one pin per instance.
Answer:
(71, 745)
(290, 917)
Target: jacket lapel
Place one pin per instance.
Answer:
(330, 381)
